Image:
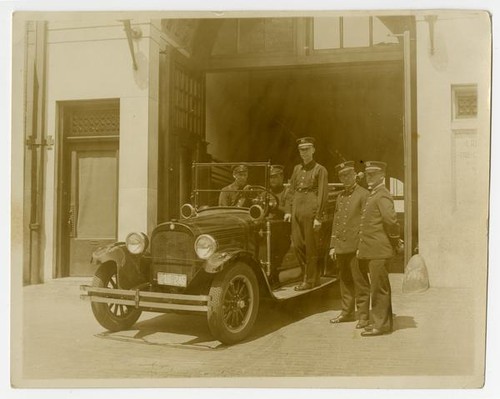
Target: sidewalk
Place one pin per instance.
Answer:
(62, 339)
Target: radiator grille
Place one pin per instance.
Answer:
(173, 252)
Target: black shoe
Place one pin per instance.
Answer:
(363, 324)
(342, 318)
(303, 287)
(374, 332)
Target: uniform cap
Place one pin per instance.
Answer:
(304, 142)
(276, 170)
(240, 168)
(344, 166)
(375, 166)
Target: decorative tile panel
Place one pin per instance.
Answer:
(466, 105)
(464, 99)
(94, 122)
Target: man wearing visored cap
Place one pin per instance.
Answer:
(276, 184)
(344, 243)
(308, 195)
(232, 195)
(378, 233)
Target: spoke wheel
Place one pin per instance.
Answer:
(233, 304)
(112, 316)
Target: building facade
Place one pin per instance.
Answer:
(115, 110)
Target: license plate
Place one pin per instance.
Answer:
(177, 280)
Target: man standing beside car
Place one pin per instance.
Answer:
(344, 243)
(308, 195)
(378, 233)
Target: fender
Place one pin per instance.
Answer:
(220, 260)
(130, 268)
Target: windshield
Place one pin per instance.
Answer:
(229, 184)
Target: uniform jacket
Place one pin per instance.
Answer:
(312, 177)
(378, 225)
(347, 218)
(229, 197)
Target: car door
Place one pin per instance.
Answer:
(284, 263)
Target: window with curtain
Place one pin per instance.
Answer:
(97, 194)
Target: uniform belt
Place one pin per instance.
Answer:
(307, 190)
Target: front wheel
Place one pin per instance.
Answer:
(112, 316)
(233, 304)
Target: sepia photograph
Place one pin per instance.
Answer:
(250, 199)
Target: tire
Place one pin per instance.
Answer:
(112, 317)
(233, 304)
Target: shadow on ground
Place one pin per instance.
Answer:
(191, 331)
(403, 322)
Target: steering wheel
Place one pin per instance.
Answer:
(260, 199)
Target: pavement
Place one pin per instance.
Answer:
(62, 340)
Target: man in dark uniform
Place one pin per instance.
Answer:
(378, 233)
(308, 195)
(280, 232)
(344, 243)
(229, 195)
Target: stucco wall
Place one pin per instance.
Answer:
(88, 62)
(453, 154)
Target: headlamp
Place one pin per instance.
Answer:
(205, 246)
(137, 243)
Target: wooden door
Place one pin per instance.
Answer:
(88, 175)
(92, 202)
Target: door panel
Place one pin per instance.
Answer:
(284, 263)
(93, 204)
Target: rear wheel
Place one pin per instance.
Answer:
(113, 317)
(233, 304)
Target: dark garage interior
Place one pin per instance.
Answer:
(245, 89)
(355, 112)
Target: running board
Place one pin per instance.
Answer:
(288, 291)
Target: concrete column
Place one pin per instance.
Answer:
(139, 142)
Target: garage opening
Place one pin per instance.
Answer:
(268, 81)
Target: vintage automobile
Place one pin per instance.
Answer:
(217, 260)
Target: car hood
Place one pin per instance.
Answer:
(216, 222)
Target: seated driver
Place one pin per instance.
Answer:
(229, 195)
(276, 186)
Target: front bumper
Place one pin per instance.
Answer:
(145, 300)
